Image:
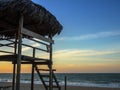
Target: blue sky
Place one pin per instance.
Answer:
(91, 34)
(82, 18)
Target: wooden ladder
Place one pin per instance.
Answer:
(45, 78)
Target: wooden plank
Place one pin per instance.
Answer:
(19, 52)
(14, 62)
(39, 74)
(56, 81)
(30, 46)
(8, 45)
(38, 41)
(65, 82)
(24, 58)
(6, 52)
(35, 35)
(46, 69)
(7, 57)
(54, 86)
(45, 75)
(35, 47)
(37, 63)
(50, 66)
(28, 58)
(32, 76)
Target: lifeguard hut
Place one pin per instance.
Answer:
(23, 19)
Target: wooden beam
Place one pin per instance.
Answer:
(19, 52)
(35, 35)
(36, 63)
(6, 52)
(14, 62)
(32, 76)
(27, 58)
(35, 47)
(7, 57)
(23, 58)
(50, 66)
(37, 41)
(8, 45)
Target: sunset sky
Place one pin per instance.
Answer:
(90, 40)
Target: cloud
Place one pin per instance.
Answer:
(77, 54)
(92, 36)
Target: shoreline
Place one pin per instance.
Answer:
(26, 86)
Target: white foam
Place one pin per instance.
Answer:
(85, 83)
(88, 84)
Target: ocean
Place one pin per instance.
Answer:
(111, 80)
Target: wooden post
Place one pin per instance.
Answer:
(65, 82)
(14, 64)
(50, 66)
(13, 81)
(32, 77)
(19, 53)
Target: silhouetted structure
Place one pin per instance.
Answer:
(21, 19)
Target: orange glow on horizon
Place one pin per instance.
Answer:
(68, 68)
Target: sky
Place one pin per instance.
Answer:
(90, 39)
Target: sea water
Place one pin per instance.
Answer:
(111, 80)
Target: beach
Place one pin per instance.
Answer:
(75, 81)
(40, 87)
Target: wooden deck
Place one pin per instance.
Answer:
(24, 59)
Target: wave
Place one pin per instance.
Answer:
(90, 84)
(62, 83)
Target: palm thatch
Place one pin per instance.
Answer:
(36, 18)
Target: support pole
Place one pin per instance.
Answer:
(14, 64)
(13, 81)
(50, 67)
(32, 77)
(19, 53)
(65, 82)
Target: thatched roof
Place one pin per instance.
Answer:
(36, 18)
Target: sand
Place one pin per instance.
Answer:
(40, 87)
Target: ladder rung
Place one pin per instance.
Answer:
(54, 86)
(48, 81)
(47, 69)
(38, 63)
(45, 75)
(41, 63)
(26, 63)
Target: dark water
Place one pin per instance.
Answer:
(111, 80)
